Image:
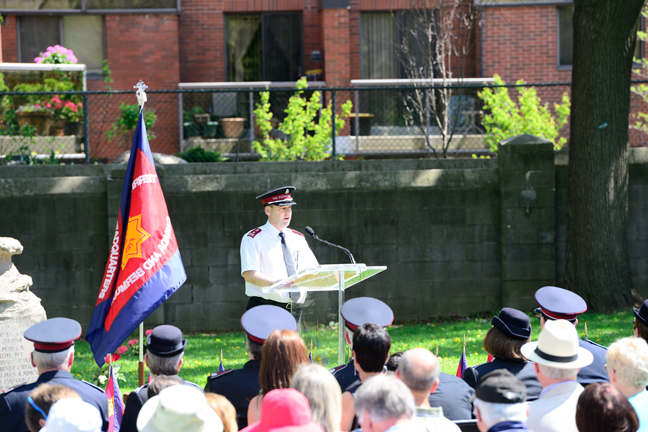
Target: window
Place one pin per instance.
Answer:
(566, 38)
(88, 5)
(83, 34)
(382, 36)
(264, 47)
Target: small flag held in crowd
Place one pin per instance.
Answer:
(220, 366)
(490, 358)
(115, 403)
(310, 353)
(463, 364)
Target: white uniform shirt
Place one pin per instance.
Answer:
(261, 251)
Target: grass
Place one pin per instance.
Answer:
(203, 349)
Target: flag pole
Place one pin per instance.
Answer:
(140, 364)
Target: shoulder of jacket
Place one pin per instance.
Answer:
(594, 344)
(93, 386)
(253, 233)
(16, 387)
(296, 232)
(338, 368)
(220, 374)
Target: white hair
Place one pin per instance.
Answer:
(323, 394)
(557, 373)
(494, 413)
(384, 397)
(56, 360)
(164, 365)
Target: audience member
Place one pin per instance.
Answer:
(603, 408)
(356, 312)
(371, 344)
(41, 400)
(641, 321)
(557, 358)
(225, 411)
(240, 386)
(385, 403)
(283, 352)
(323, 394)
(179, 408)
(452, 394)
(165, 348)
(500, 403)
(284, 410)
(419, 370)
(161, 382)
(73, 415)
(558, 303)
(627, 365)
(53, 356)
(511, 329)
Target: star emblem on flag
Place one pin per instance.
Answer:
(135, 236)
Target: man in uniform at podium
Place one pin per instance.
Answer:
(239, 386)
(274, 252)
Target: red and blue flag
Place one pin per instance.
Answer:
(463, 363)
(144, 266)
(115, 403)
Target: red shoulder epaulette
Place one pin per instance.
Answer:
(220, 374)
(296, 232)
(254, 232)
(338, 368)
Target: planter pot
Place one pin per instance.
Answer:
(232, 127)
(73, 128)
(57, 128)
(42, 121)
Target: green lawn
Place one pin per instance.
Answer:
(203, 349)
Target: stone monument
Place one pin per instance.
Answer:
(19, 310)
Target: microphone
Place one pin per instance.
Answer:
(311, 233)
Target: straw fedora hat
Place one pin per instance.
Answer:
(557, 346)
(178, 408)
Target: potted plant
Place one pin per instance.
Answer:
(232, 126)
(39, 117)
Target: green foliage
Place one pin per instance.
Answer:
(308, 137)
(24, 156)
(127, 121)
(641, 118)
(503, 118)
(107, 75)
(199, 154)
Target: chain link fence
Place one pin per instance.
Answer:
(217, 124)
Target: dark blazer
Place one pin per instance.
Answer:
(453, 395)
(524, 371)
(345, 375)
(136, 400)
(12, 403)
(238, 386)
(595, 372)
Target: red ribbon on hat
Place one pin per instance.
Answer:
(276, 198)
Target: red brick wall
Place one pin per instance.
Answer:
(202, 41)
(521, 43)
(337, 55)
(9, 39)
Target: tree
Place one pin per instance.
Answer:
(437, 43)
(597, 262)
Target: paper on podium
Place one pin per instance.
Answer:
(325, 278)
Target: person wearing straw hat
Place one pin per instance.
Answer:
(559, 303)
(557, 359)
(53, 356)
(511, 329)
(178, 409)
(165, 351)
(240, 386)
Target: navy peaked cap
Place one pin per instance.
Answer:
(363, 310)
(260, 321)
(165, 341)
(559, 303)
(53, 335)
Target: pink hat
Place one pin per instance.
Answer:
(285, 410)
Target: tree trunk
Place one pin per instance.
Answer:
(597, 263)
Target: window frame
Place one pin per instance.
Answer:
(84, 10)
(299, 14)
(90, 73)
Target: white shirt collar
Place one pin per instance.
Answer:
(274, 232)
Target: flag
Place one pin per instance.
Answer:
(310, 357)
(220, 366)
(490, 358)
(463, 364)
(144, 266)
(115, 403)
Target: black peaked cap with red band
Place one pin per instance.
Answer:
(559, 303)
(363, 310)
(260, 321)
(53, 335)
(280, 196)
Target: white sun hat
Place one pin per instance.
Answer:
(73, 415)
(557, 346)
(179, 408)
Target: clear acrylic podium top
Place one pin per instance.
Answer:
(325, 278)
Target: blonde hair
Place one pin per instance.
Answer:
(629, 359)
(225, 411)
(323, 393)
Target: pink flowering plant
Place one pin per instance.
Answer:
(65, 110)
(57, 54)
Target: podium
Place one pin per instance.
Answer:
(329, 277)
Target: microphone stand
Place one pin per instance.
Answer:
(311, 233)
